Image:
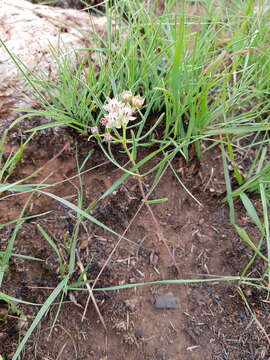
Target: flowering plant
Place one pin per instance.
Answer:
(119, 114)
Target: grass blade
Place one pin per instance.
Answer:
(39, 316)
(80, 211)
(251, 211)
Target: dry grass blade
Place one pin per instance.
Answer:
(225, 54)
(91, 295)
(254, 317)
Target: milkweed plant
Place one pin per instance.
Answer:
(120, 110)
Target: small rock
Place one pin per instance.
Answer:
(154, 258)
(131, 304)
(201, 221)
(242, 315)
(133, 262)
(167, 301)
(139, 334)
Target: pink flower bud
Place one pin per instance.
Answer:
(94, 130)
(107, 137)
(137, 101)
(126, 96)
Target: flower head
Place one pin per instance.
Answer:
(126, 96)
(113, 105)
(107, 137)
(104, 121)
(137, 101)
(119, 114)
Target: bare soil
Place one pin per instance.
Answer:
(212, 321)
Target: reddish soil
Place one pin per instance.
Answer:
(212, 321)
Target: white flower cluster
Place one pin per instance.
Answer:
(121, 112)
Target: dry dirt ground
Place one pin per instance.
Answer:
(211, 320)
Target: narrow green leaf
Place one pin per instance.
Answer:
(156, 201)
(228, 185)
(251, 211)
(81, 212)
(177, 281)
(20, 256)
(39, 316)
(244, 236)
(23, 219)
(50, 241)
(8, 298)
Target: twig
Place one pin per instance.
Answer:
(91, 295)
(72, 340)
(252, 313)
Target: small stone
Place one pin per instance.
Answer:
(133, 262)
(242, 315)
(139, 334)
(167, 301)
(201, 221)
(154, 258)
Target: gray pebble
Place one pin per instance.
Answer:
(167, 301)
(139, 334)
